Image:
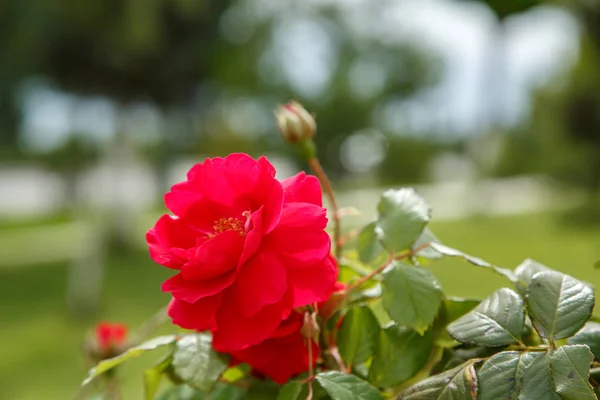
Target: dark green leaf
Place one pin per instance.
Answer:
(225, 392)
(400, 354)
(499, 377)
(450, 252)
(358, 335)
(133, 352)
(570, 366)
(516, 375)
(525, 271)
(452, 309)
(403, 215)
(558, 304)
(589, 335)
(459, 383)
(263, 390)
(411, 296)
(290, 391)
(499, 320)
(370, 249)
(196, 363)
(341, 386)
(153, 376)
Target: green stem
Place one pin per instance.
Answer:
(328, 189)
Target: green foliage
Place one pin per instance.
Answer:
(457, 383)
(196, 363)
(358, 335)
(341, 386)
(411, 296)
(590, 336)
(133, 352)
(402, 217)
(499, 320)
(400, 354)
(559, 305)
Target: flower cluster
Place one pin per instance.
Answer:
(248, 250)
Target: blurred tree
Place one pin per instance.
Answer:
(563, 137)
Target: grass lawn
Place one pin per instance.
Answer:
(40, 358)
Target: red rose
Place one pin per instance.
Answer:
(110, 336)
(248, 248)
(283, 354)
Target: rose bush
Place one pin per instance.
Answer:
(248, 247)
(257, 282)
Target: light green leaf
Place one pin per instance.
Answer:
(400, 354)
(525, 271)
(411, 296)
(196, 363)
(133, 352)
(341, 386)
(403, 215)
(370, 249)
(236, 373)
(290, 391)
(498, 320)
(588, 335)
(153, 376)
(428, 252)
(570, 366)
(358, 335)
(478, 262)
(459, 383)
(558, 304)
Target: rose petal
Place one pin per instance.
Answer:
(192, 291)
(266, 357)
(168, 241)
(198, 316)
(215, 257)
(302, 188)
(259, 282)
(313, 284)
(299, 239)
(230, 323)
(269, 194)
(253, 237)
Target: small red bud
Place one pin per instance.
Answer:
(109, 340)
(294, 123)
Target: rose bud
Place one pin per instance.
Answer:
(294, 123)
(109, 340)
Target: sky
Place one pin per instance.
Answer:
(538, 46)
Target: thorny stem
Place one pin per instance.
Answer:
(310, 368)
(328, 189)
(335, 353)
(379, 269)
(594, 371)
(112, 388)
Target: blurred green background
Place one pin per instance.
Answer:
(491, 109)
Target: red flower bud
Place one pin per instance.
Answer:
(110, 338)
(294, 123)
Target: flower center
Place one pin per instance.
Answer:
(229, 224)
